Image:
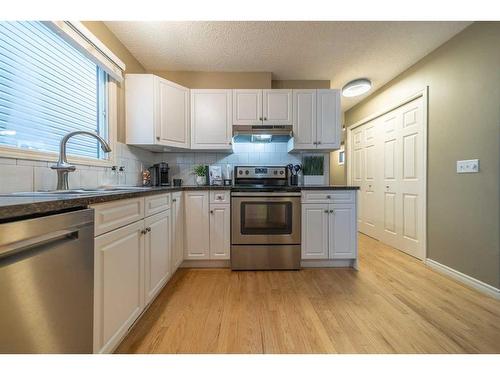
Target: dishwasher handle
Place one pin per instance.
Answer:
(30, 243)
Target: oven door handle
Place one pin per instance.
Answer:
(265, 195)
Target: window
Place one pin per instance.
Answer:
(48, 88)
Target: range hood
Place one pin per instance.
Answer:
(262, 133)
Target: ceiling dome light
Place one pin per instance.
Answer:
(356, 87)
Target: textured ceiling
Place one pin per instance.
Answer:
(338, 51)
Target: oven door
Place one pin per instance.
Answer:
(265, 219)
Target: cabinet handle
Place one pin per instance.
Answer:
(326, 211)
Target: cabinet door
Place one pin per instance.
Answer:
(328, 119)
(197, 233)
(342, 231)
(177, 230)
(173, 114)
(220, 227)
(211, 126)
(277, 107)
(247, 107)
(157, 253)
(315, 231)
(118, 284)
(304, 119)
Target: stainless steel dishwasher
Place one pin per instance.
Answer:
(46, 284)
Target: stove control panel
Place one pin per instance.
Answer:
(261, 172)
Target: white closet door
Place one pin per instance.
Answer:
(357, 171)
(388, 165)
(412, 181)
(371, 180)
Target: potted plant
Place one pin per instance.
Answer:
(200, 172)
(313, 170)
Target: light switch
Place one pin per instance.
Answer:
(468, 166)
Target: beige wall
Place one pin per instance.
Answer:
(300, 84)
(337, 171)
(100, 30)
(218, 80)
(463, 77)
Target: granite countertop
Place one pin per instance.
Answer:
(13, 206)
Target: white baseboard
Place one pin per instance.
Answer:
(465, 279)
(326, 263)
(205, 264)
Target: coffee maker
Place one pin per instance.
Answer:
(159, 174)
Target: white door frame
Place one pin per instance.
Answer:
(425, 96)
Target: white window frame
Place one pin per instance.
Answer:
(86, 43)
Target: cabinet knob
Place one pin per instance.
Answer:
(148, 229)
(318, 143)
(332, 212)
(260, 118)
(174, 200)
(230, 143)
(144, 231)
(158, 138)
(387, 186)
(326, 211)
(265, 118)
(212, 212)
(328, 197)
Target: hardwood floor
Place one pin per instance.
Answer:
(394, 304)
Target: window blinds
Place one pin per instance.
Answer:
(47, 89)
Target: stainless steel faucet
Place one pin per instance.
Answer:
(63, 167)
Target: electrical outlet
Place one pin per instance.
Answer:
(468, 166)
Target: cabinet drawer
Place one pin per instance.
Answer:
(116, 214)
(328, 196)
(220, 196)
(156, 203)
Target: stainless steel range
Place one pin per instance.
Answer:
(265, 220)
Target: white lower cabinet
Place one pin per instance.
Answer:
(220, 226)
(131, 265)
(118, 284)
(177, 230)
(329, 231)
(315, 226)
(204, 221)
(158, 245)
(196, 245)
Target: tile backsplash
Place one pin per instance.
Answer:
(182, 163)
(31, 175)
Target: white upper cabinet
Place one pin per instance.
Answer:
(157, 112)
(316, 120)
(211, 114)
(277, 107)
(173, 112)
(328, 127)
(304, 119)
(247, 107)
(262, 107)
